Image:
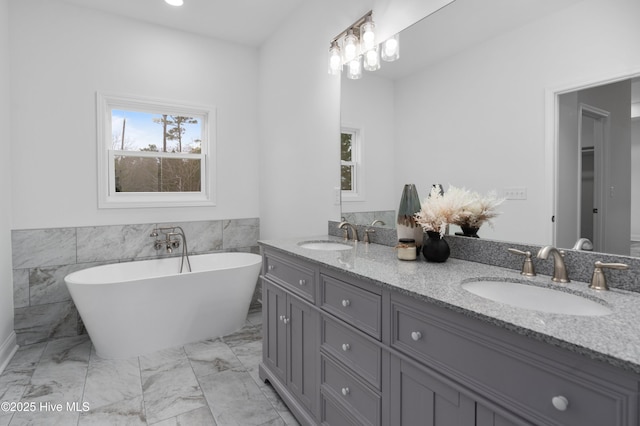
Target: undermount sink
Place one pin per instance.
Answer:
(536, 298)
(325, 245)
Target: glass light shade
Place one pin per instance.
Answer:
(174, 2)
(354, 70)
(371, 59)
(350, 47)
(367, 35)
(335, 59)
(391, 49)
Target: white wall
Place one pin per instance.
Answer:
(62, 54)
(300, 121)
(478, 118)
(368, 105)
(7, 336)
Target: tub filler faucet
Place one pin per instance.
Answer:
(171, 241)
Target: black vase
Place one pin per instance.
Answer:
(470, 231)
(435, 249)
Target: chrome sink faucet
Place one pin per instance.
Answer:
(559, 268)
(354, 231)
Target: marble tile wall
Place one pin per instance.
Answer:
(43, 257)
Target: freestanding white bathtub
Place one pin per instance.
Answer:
(134, 308)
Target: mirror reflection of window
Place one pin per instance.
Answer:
(349, 164)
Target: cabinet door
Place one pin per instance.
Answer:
(303, 331)
(420, 399)
(274, 343)
(487, 417)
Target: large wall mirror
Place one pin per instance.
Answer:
(468, 104)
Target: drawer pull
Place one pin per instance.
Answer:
(271, 268)
(281, 317)
(416, 335)
(560, 403)
(345, 391)
(285, 320)
(346, 347)
(346, 302)
(302, 282)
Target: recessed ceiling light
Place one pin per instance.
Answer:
(174, 2)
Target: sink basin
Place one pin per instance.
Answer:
(536, 298)
(325, 245)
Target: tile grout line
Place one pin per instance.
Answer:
(200, 386)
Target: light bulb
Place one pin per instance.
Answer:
(391, 49)
(372, 59)
(174, 2)
(350, 47)
(355, 69)
(335, 60)
(368, 35)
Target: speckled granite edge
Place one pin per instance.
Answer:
(490, 252)
(615, 341)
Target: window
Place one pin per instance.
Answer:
(154, 153)
(351, 171)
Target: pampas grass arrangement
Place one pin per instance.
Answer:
(457, 206)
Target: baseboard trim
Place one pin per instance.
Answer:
(7, 349)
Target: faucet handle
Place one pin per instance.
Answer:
(598, 279)
(368, 231)
(527, 266)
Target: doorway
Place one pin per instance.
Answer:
(593, 124)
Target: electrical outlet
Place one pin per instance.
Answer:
(515, 193)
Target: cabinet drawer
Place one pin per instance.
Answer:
(353, 349)
(526, 383)
(353, 394)
(295, 277)
(356, 306)
(332, 413)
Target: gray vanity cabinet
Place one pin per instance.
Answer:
(341, 350)
(290, 328)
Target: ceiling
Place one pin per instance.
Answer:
(248, 22)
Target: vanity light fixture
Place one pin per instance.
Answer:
(174, 2)
(356, 48)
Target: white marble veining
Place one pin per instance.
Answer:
(203, 383)
(202, 237)
(43, 247)
(239, 233)
(111, 243)
(48, 321)
(613, 338)
(20, 288)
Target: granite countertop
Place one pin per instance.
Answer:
(613, 338)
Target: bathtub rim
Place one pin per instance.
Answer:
(72, 278)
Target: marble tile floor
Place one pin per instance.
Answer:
(212, 382)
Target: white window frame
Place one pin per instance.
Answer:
(357, 192)
(107, 195)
